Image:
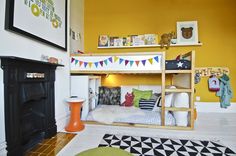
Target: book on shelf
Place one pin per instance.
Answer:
(103, 41)
(112, 40)
(127, 41)
(150, 39)
(118, 42)
(138, 40)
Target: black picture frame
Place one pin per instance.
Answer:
(9, 25)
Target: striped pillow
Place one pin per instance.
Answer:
(147, 104)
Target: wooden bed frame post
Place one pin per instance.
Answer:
(163, 84)
(192, 89)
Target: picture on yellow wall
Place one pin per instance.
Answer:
(187, 32)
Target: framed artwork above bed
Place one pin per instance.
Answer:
(42, 20)
(187, 32)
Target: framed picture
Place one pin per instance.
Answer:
(187, 32)
(43, 20)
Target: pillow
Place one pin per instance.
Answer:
(129, 98)
(109, 95)
(157, 106)
(181, 100)
(147, 104)
(138, 94)
(168, 100)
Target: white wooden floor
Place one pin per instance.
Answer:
(209, 126)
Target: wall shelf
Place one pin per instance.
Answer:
(149, 46)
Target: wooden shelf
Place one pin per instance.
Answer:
(178, 90)
(115, 72)
(177, 71)
(150, 46)
(177, 109)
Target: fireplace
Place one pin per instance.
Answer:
(29, 102)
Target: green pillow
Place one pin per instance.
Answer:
(141, 94)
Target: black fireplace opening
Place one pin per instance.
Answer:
(29, 103)
(33, 100)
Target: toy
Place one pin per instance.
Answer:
(129, 97)
(214, 83)
(166, 39)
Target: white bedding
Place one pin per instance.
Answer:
(113, 113)
(109, 113)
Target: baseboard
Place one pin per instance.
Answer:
(214, 107)
(61, 122)
(3, 146)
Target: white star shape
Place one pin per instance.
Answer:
(180, 64)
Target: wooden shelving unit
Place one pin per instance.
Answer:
(184, 84)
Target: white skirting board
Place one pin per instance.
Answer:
(214, 107)
(3, 146)
(62, 121)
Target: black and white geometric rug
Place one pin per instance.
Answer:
(147, 146)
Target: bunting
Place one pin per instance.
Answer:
(105, 61)
(137, 63)
(85, 64)
(121, 60)
(150, 60)
(96, 64)
(131, 63)
(110, 59)
(101, 63)
(76, 61)
(80, 63)
(126, 62)
(72, 59)
(143, 62)
(156, 58)
(114, 59)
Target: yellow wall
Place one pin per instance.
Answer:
(216, 26)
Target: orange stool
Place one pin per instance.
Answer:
(75, 124)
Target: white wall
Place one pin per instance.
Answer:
(77, 24)
(16, 45)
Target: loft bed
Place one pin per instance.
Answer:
(144, 63)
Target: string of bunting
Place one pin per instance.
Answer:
(114, 59)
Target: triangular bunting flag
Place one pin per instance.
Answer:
(85, 64)
(143, 62)
(105, 61)
(156, 58)
(90, 64)
(126, 62)
(72, 60)
(96, 64)
(110, 59)
(121, 60)
(137, 63)
(131, 63)
(76, 61)
(115, 58)
(101, 63)
(150, 60)
(80, 63)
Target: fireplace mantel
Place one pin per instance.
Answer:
(29, 102)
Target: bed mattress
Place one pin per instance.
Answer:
(110, 114)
